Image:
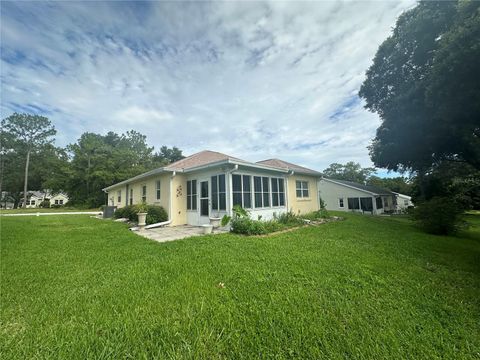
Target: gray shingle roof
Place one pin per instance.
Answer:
(370, 188)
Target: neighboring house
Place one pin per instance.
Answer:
(403, 202)
(208, 184)
(6, 202)
(35, 198)
(351, 196)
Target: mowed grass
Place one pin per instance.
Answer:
(363, 288)
(44, 210)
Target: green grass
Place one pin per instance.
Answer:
(43, 210)
(363, 288)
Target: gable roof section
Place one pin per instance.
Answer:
(375, 190)
(200, 159)
(281, 164)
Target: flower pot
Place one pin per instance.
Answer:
(207, 229)
(215, 222)
(141, 219)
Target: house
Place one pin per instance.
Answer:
(343, 195)
(208, 184)
(403, 202)
(35, 198)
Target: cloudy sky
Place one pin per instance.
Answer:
(255, 80)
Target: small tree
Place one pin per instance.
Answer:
(29, 133)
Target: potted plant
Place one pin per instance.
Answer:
(142, 214)
(215, 221)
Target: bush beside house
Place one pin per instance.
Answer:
(155, 214)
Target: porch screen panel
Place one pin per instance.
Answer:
(266, 192)
(222, 192)
(353, 204)
(237, 189)
(247, 192)
(275, 192)
(366, 203)
(379, 203)
(257, 188)
(214, 180)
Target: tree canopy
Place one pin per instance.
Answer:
(424, 85)
(351, 171)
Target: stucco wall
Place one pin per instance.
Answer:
(302, 205)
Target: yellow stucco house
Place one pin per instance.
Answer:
(208, 184)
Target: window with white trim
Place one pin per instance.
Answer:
(341, 204)
(242, 190)
(192, 195)
(278, 192)
(261, 189)
(119, 196)
(302, 189)
(219, 194)
(144, 193)
(157, 189)
(131, 196)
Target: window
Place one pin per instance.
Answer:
(379, 203)
(219, 199)
(60, 201)
(157, 189)
(192, 195)
(119, 196)
(32, 202)
(278, 192)
(302, 189)
(340, 203)
(242, 191)
(353, 204)
(131, 196)
(144, 193)
(405, 202)
(366, 203)
(261, 189)
(56, 202)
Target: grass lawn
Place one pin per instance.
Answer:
(43, 210)
(366, 287)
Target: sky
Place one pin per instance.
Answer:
(255, 80)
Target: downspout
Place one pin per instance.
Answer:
(230, 190)
(170, 205)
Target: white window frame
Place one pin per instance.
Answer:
(158, 191)
(192, 195)
(217, 191)
(242, 191)
(144, 193)
(341, 203)
(302, 186)
(119, 196)
(262, 192)
(277, 193)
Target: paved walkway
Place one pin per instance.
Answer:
(171, 233)
(54, 213)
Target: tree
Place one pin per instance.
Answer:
(28, 133)
(167, 156)
(350, 171)
(424, 85)
(397, 184)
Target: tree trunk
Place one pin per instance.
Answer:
(25, 186)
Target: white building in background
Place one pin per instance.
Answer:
(35, 198)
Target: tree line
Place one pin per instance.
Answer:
(424, 85)
(30, 160)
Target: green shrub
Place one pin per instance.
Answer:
(289, 219)
(247, 226)
(440, 215)
(314, 215)
(45, 204)
(273, 226)
(156, 214)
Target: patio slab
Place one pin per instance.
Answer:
(171, 233)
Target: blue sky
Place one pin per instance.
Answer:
(255, 80)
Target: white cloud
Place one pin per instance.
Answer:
(255, 80)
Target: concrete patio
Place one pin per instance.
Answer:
(170, 233)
